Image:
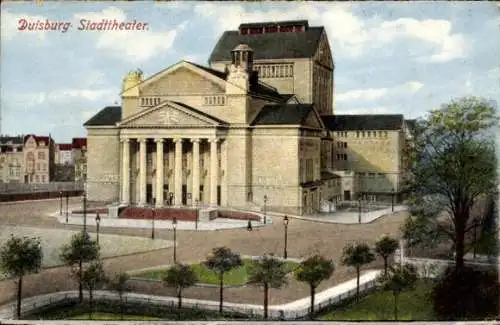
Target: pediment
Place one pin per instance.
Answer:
(169, 114)
(313, 120)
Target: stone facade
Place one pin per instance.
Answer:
(11, 159)
(39, 156)
(246, 128)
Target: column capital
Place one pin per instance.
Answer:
(159, 140)
(177, 140)
(193, 140)
(125, 140)
(214, 140)
(142, 140)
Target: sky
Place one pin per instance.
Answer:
(391, 58)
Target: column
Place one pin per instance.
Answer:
(178, 172)
(196, 170)
(126, 172)
(214, 171)
(142, 172)
(159, 172)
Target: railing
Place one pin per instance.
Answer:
(16, 188)
(280, 312)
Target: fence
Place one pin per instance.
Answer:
(20, 188)
(294, 310)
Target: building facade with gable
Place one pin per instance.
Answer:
(11, 159)
(256, 126)
(39, 159)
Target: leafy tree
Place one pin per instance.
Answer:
(398, 279)
(385, 247)
(268, 272)
(452, 163)
(19, 257)
(93, 277)
(180, 276)
(313, 271)
(220, 261)
(81, 249)
(356, 256)
(119, 284)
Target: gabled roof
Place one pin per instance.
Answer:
(38, 138)
(11, 140)
(65, 146)
(283, 114)
(109, 115)
(79, 143)
(377, 122)
(268, 46)
(256, 89)
(200, 112)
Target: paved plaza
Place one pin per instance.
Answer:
(304, 239)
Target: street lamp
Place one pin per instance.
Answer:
(153, 220)
(285, 223)
(265, 208)
(67, 199)
(174, 225)
(359, 209)
(392, 205)
(60, 204)
(97, 221)
(197, 215)
(85, 211)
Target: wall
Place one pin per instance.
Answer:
(103, 164)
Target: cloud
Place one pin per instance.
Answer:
(132, 46)
(371, 94)
(60, 96)
(10, 24)
(352, 35)
(368, 110)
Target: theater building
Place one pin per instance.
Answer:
(257, 122)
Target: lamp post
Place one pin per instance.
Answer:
(265, 208)
(197, 214)
(85, 211)
(359, 209)
(392, 194)
(97, 221)
(153, 220)
(285, 223)
(174, 225)
(60, 203)
(67, 202)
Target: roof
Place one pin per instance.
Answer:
(78, 143)
(283, 114)
(327, 175)
(65, 146)
(363, 122)
(268, 46)
(275, 23)
(255, 89)
(200, 112)
(109, 115)
(411, 124)
(286, 97)
(38, 138)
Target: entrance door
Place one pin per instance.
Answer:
(149, 193)
(347, 195)
(218, 195)
(184, 194)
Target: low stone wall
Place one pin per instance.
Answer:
(227, 214)
(12, 197)
(92, 211)
(294, 310)
(159, 214)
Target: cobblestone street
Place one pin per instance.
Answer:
(304, 238)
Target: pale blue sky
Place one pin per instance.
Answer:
(390, 58)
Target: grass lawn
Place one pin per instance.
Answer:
(412, 305)
(238, 276)
(111, 316)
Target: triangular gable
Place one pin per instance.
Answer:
(313, 120)
(183, 65)
(292, 100)
(170, 114)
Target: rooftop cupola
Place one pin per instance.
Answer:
(242, 57)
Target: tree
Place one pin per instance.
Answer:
(19, 257)
(220, 261)
(385, 247)
(452, 163)
(180, 276)
(268, 272)
(398, 279)
(81, 249)
(313, 271)
(119, 284)
(93, 277)
(356, 256)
